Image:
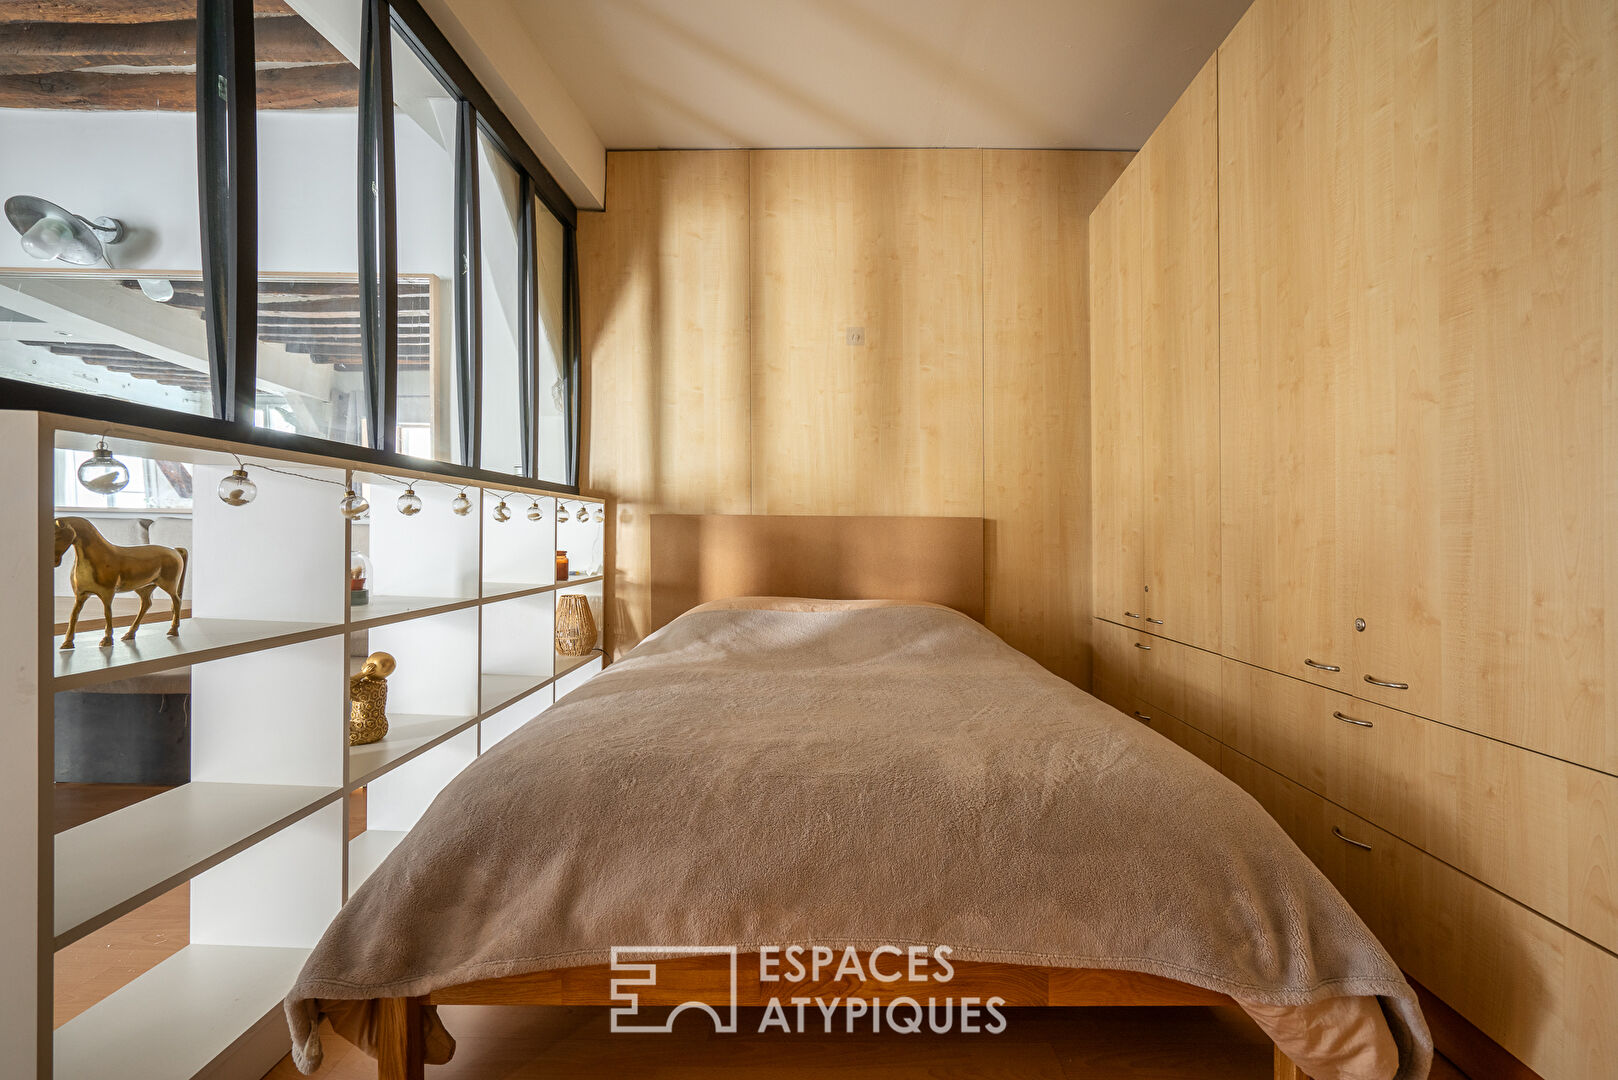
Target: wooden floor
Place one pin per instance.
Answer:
(530, 1043)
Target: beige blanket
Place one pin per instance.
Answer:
(859, 775)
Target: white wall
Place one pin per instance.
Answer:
(491, 37)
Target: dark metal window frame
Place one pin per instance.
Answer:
(228, 210)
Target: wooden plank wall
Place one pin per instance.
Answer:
(718, 290)
(1417, 470)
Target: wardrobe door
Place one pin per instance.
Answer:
(1115, 395)
(1386, 246)
(1283, 269)
(1179, 169)
(1530, 376)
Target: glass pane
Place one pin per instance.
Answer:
(500, 214)
(101, 249)
(424, 190)
(552, 462)
(153, 484)
(310, 371)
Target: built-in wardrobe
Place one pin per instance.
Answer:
(1355, 477)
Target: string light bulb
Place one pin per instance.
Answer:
(409, 503)
(600, 514)
(236, 489)
(561, 514)
(534, 512)
(501, 512)
(582, 513)
(461, 505)
(352, 505)
(102, 473)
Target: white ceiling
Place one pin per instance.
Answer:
(774, 73)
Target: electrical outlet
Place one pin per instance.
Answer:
(854, 336)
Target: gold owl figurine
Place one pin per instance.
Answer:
(368, 692)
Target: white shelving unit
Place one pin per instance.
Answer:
(260, 833)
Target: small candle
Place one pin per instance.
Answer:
(561, 566)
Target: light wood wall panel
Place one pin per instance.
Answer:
(1117, 457)
(1179, 319)
(1418, 369)
(1287, 272)
(1036, 407)
(718, 289)
(1332, 259)
(664, 310)
(1529, 116)
(1541, 992)
(890, 242)
(1419, 347)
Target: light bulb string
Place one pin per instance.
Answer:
(244, 465)
(408, 485)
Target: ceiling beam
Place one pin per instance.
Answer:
(327, 86)
(116, 11)
(41, 48)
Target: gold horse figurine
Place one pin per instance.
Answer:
(102, 568)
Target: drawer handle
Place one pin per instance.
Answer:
(1389, 685)
(1154, 622)
(1335, 831)
(1143, 648)
(1131, 614)
(1142, 717)
(1351, 720)
(1320, 667)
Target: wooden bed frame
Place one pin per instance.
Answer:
(697, 558)
(401, 1031)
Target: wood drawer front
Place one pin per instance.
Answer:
(1538, 829)
(1161, 721)
(1116, 660)
(1299, 730)
(1183, 735)
(1185, 681)
(1113, 694)
(1180, 679)
(1538, 990)
(1541, 829)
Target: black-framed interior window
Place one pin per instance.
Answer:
(506, 370)
(425, 113)
(101, 258)
(355, 254)
(312, 377)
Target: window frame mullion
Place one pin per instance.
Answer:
(468, 284)
(378, 239)
(227, 195)
(571, 366)
(528, 325)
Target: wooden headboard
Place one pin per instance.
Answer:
(702, 557)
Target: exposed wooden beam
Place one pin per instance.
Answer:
(88, 348)
(347, 363)
(116, 11)
(412, 320)
(406, 303)
(42, 48)
(326, 86)
(338, 348)
(327, 333)
(294, 287)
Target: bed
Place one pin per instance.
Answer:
(871, 777)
